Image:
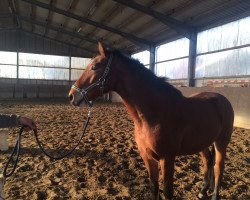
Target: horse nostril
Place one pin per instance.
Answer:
(71, 97)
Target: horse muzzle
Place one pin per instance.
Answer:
(72, 100)
(77, 99)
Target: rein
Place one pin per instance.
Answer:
(83, 92)
(17, 148)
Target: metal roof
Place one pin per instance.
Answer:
(124, 24)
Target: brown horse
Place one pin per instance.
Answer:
(167, 124)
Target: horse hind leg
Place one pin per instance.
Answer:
(167, 168)
(220, 145)
(207, 158)
(220, 154)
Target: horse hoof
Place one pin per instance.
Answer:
(201, 195)
(168, 198)
(215, 197)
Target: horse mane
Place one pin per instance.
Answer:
(147, 75)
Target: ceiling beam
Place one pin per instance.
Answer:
(9, 29)
(6, 15)
(180, 27)
(13, 11)
(88, 14)
(71, 5)
(32, 16)
(60, 41)
(115, 10)
(48, 19)
(57, 29)
(131, 37)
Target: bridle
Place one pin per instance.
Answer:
(101, 81)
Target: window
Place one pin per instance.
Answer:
(38, 66)
(8, 71)
(172, 59)
(224, 50)
(77, 66)
(79, 63)
(43, 60)
(234, 62)
(28, 72)
(143, 57)
(8, 64)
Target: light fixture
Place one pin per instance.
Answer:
(79, 29)
(10, 9)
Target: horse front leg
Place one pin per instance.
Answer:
(167, 168)
(153, 172)
(151, 165)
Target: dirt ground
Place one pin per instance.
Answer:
(106, 165)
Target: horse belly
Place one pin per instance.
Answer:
(198, 139)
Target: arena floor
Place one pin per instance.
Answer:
(106, 165)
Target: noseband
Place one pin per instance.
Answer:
(84, 91)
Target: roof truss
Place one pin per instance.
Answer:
(60, 41)
(141, 42)
(57, 29)
(182, 28)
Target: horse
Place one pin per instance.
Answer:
(166, 124)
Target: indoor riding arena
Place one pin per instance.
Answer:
(114, 93)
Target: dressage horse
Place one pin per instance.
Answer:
(166, 124)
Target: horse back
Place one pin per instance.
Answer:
(220, 103)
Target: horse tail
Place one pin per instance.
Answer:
(211, 169)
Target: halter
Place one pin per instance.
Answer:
(83, 92)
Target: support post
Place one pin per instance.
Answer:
(17, 65)
(70, 65)
(18, 38)
(17, 74)
(18, 45)
(192, 59)
(152, 58)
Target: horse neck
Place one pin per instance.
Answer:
(140, 97)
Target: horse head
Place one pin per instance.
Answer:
(95, 80)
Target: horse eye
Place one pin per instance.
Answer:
(93, 68)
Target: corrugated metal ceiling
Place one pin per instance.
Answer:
(200, 14)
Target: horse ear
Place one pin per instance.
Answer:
(101, 49)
